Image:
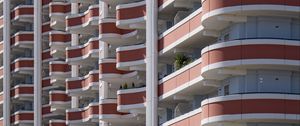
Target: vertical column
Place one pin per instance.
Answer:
(74, 68)
(37, 62)
(151, 66)
(6, 63)
(103, 53)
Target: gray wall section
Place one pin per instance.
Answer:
(269, 27)
(265, 81)
(295, 30)
(295, 87)
(263, 27)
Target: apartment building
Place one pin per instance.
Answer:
(150, 62)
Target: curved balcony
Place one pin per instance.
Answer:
(59, 70)
(86, 115)
(184, 82)
(46, 56)
(83, 86)
(192, 118)
(132, 100)
(109, 33)
(108, 110)
(57, 13)
(46, 84)
(83, 53)
(22, 13)
(46, 28)
(251, 107)
(22, 92)
(22, 118)
(58, 41)
(46, 2)
(59, 101)
(217, 59)
(22, 66)
(109, 73)
(84, 23)
(22, 39)
(47, 113)
(108, 113)
(131, 57)
(131, 16)
(57, 123)
(217, 14)
(186, 33)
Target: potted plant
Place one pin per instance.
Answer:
(181, 60)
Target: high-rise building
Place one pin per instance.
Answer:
(150, 62)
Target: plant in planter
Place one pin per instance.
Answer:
(181, 60)
(125, 86)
